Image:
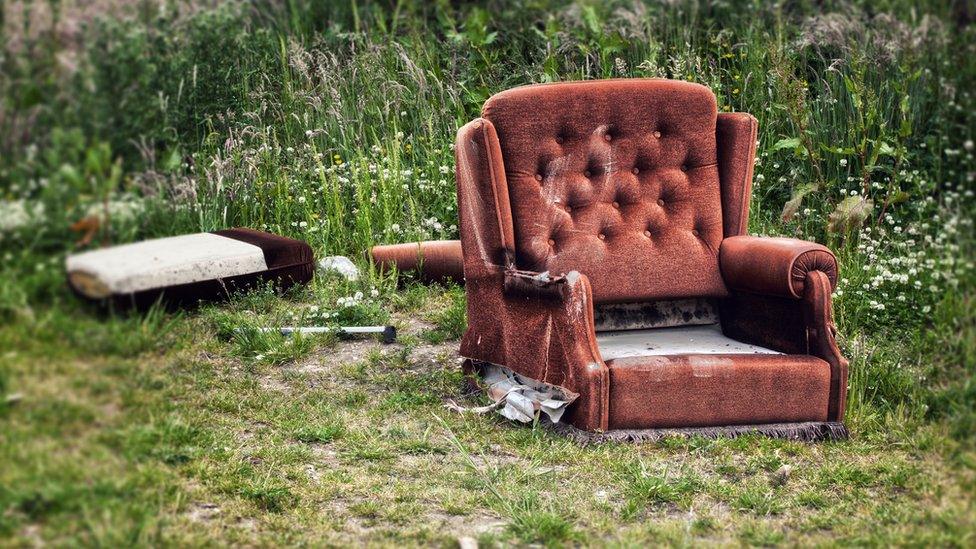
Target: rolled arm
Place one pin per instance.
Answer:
(773, 266)
(781, 299)
(540, 326)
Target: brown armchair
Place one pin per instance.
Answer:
(603, 233)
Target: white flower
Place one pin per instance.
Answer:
(843, 162)
(16, 214)
(445, 169)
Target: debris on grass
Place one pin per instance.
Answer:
(342, 265)
(519, 398)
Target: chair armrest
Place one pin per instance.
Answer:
(773, 266)
(821, 339)
(541, 327)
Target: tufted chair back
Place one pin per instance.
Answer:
(617, 179)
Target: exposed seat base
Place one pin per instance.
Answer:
(681, 340)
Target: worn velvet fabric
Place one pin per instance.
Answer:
(703, 390)
(735, 133)
(625, 191)
(615, 179)
(541, 328)
(782, 269)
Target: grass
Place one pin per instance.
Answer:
(193, 443)
(334, 122)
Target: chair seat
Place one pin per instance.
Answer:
(681, 340)
(695, 377)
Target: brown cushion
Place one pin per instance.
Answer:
(617, 179)
(715, 389)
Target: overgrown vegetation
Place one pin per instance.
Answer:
(334, 122)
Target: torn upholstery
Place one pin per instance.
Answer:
(631, 197)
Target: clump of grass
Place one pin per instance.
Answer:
(269, 497)
(760, 534)
(644, 488)
(320, 434)
(451, 321)
(759, 500)
(535, 522)
(846, 475)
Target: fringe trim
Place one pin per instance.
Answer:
(810, 431)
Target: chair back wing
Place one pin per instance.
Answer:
(616, 179)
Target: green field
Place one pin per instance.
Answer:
(334, 122)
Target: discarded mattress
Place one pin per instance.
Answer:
(189, 268)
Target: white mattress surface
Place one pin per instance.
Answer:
(166, 262)
(683, 340)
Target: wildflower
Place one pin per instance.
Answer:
(17, 214)
(843, 162)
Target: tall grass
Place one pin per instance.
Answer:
(334, 122)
